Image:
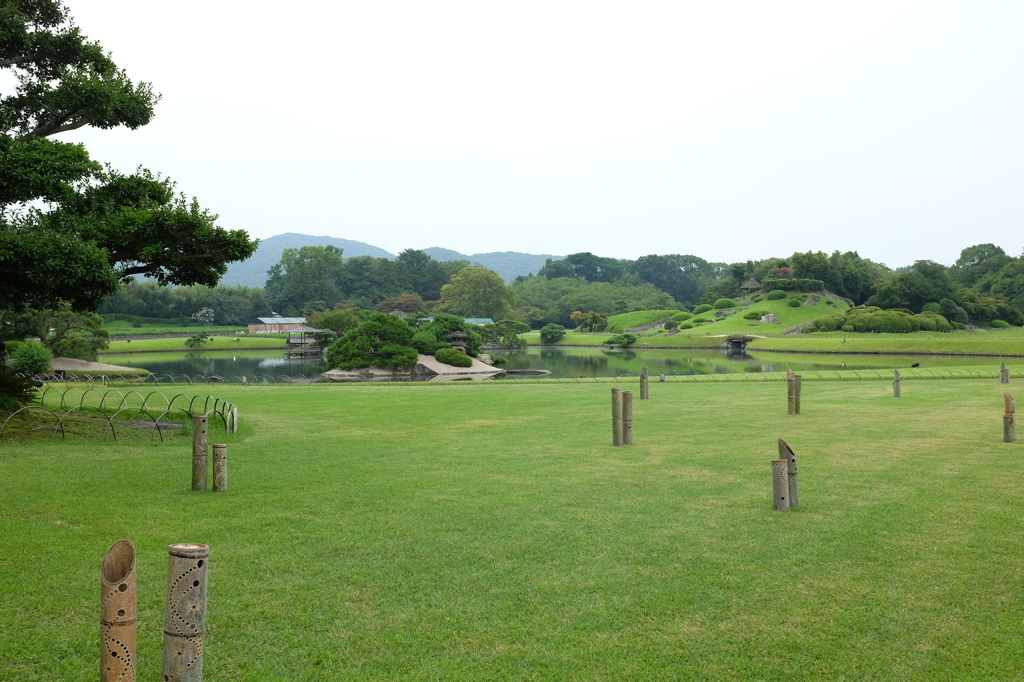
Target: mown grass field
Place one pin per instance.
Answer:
(472, 531)
(122, 328)
(215, 343)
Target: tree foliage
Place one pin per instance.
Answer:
(477, 292)
(98, 228)
(433, 335)
(383, 341)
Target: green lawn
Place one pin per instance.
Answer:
(215, 343)
(120, 327)
(473, 531)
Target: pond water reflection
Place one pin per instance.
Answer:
(560, 361)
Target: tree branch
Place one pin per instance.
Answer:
(56, 125)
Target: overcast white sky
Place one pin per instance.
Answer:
(727, 130)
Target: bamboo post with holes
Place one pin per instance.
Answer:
(199, 450)
(185, 613)
(627, 417)
(645, 378)
(896, 383)
(790, 391)
(220, 468)
(780, 485)
(786, 453)
(118, 613)
(1009, 419)
(616, 416)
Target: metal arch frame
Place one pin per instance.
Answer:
(33, 407)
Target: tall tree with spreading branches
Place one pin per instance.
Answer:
(70, 229)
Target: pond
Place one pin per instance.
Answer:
(559, 360)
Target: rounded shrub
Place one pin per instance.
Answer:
(847, 327)
(32, 357)
(776, 295)
(453, 357)
(829, 323)
(794, 303)
(757, 299)
(551, 333)
(723, 303)
(671, 324)
(702, 308)
(755, 314)
(698, 320)
(999, 324)
(679, 317)
(686, 325)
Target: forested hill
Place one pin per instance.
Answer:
(253, 272)
(508, 264)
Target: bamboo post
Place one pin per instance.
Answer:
(1009, 419)
(780, 485)
(644, 384)
(234, 421)
(896, 383)
(185, 614)
(790, 391)
(616, 416)
(627, 417)
(798, 383)
(220, 468)
(199, 457)
(1004, 374)
(118, 613)
(786, 453)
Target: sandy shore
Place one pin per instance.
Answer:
(73, 365)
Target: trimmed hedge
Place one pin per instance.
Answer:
(453, 357)
(776, 295)
(702, 308)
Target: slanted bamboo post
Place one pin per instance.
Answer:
(627, 417)
(1009, 419)
(645, 378)
(199, 458)
(798, 383)
(780, 485)
(786, 453)
(220, 468)
(185, 614)
(896, 383)
(790, 391)
(616, 416)
(118, 613)
(1004, 374)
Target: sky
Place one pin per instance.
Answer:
(727, 130)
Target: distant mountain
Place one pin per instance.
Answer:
(253, 272)
(508, 264)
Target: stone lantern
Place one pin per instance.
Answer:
(458, 341)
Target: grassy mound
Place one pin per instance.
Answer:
(619, 323)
